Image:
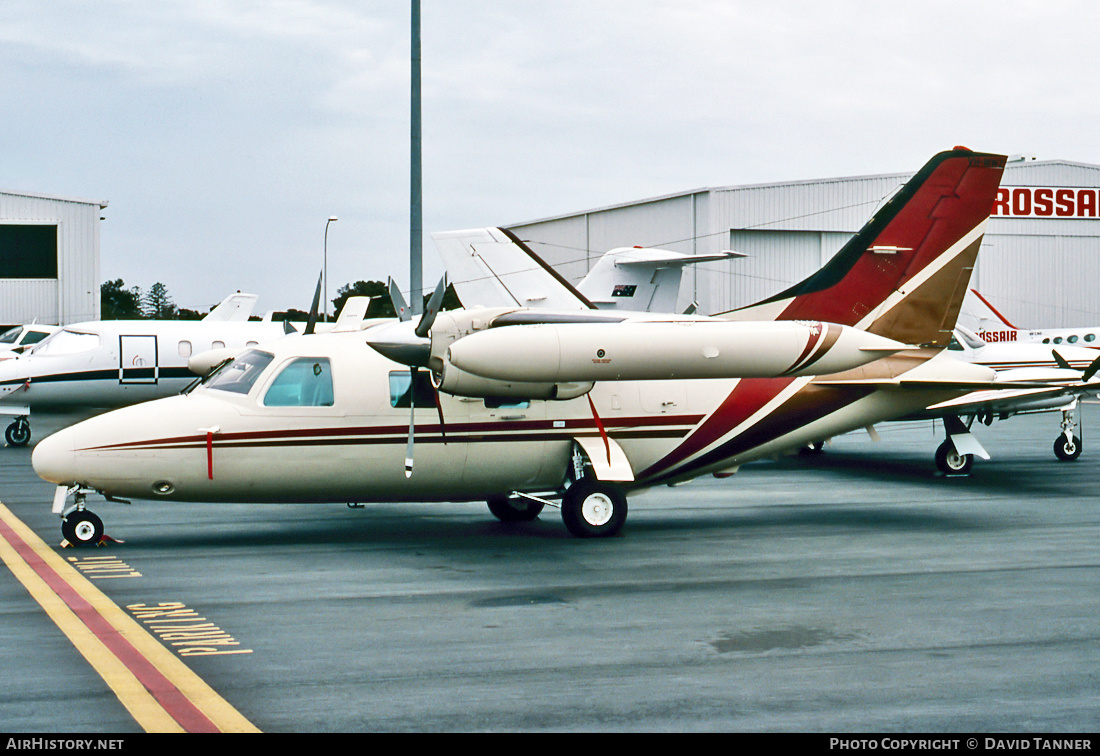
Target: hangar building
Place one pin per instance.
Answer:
(49, 259)
(1039, 263)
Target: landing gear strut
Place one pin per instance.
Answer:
(19, 432)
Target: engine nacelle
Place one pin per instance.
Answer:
(452, 380)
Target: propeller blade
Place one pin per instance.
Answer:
(1090, 371)
(400, 306)
(311, 324)
(412, 424)
(432, 308)
(1062, 363)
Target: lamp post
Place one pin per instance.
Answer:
(325, 310)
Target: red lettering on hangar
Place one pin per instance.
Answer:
(991, 336)
(1046, 202)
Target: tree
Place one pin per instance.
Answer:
(119, 303)
(158, 305)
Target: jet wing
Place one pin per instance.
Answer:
(491, 267)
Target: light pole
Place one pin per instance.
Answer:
(324, 318)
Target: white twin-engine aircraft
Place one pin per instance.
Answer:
(525, 406)
(112, 363)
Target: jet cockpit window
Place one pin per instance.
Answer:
(240, 375)
(9, 336)
(305, 382)
(954, 345)
(67, 342)
(399, 389)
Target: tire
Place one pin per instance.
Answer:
(18, 433)
(82, 528)
(519, 509)
(1066, 449)
(592, 509)
(950, 462)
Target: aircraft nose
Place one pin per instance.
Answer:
(54, 457)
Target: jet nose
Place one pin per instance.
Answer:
(54, 457)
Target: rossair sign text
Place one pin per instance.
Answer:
(1046, 202)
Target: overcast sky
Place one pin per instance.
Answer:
(224, 134)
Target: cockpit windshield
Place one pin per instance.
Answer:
(9, 336)
(67, 342)
(240, 375)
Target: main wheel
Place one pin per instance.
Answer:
(518, 509)
(1067, 449)
(950, 462)
(82, 528)
(592, 509)
(18, 433)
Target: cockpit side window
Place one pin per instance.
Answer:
(240, 375)
(305, 382)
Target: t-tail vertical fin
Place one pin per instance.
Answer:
(904, 275)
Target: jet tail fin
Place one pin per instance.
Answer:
(641, 279)
(237, 306)
(904, 275)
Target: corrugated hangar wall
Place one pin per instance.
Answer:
(49, 259)
(1039, 263)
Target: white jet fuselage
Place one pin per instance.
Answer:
(116, 363)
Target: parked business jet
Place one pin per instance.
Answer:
(529, 405)
(112, 363)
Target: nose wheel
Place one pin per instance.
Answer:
(19, 432)
(82, 528)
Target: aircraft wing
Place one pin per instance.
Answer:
(491, 267)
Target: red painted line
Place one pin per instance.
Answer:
(174, 702)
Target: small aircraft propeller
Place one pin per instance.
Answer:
(397, 344)
(311, 324)
(1088, 372)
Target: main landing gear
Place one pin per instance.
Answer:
(1067, 446)
(590, 508)
(19, 432)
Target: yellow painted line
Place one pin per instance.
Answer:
(157, 688)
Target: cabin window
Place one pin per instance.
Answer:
(68, 342)
(1090, 337)
(240, 375)
(185, 349)
(399, 389)
(1072, 339)
(305, 382)
(217, 345)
